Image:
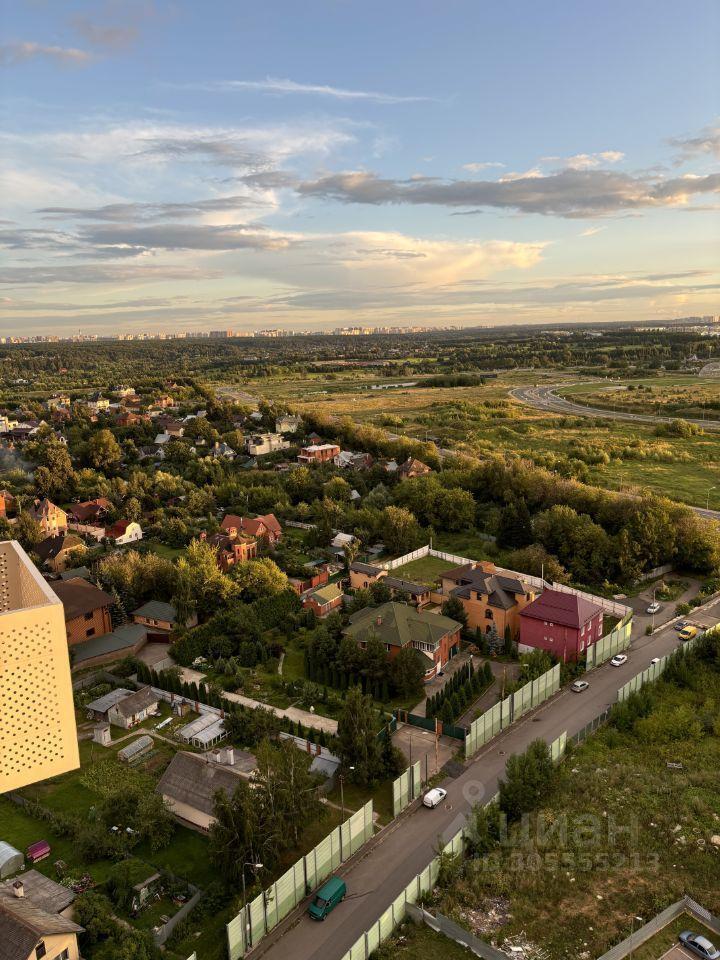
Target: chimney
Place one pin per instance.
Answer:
(230, 756)
(378, 621)
(19, 889)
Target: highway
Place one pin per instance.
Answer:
(405, 848)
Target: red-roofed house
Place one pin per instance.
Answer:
(124, 531)
(561, 623)
(261, 528)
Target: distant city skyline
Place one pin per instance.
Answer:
(173, 166)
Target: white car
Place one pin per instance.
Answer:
(434, 797)
(653, 608)
(619, 659)
(655, 660)
(579, 686)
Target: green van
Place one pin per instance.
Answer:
(327, 898)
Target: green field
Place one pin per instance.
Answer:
(425, 570)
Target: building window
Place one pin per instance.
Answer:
(89, 616)
(488, 614)
(90, 632)
(40, 950)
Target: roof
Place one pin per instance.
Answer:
(567, 609)
(358, 567)
(23, 924)
(80, 597)
(156, 610)
(499, 588)
(407, 586)
(118, 528)
(50, 547)
(193, 780)
(76, 572)
(135, 702)
(41, 891)
(326, 594)
(399, 624)
(103, 704)
(89, 509)
(8, 852)
(413, 465)
(317, 447)
(122, 638)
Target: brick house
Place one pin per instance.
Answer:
(561, 623)
(398, 625)
(489, 597)
(56, 552)
(52, 519)
(364, 574)
(413, 468)
(319, 453)
(160, 618)
(231, 550)
(87, 609)
(311, 582)
(7, 503)
(324, 600)
(265, 527)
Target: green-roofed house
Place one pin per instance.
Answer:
(324, 600)
(400, 625)
(159, 618)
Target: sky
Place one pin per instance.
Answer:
(170, 165)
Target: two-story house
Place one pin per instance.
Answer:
(489, 597)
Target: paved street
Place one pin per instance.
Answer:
(407, 846)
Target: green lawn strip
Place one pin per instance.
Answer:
(186, 857)
(425, 570)
(656, 946)
(163, 550)
(412, 942)
(356, 796)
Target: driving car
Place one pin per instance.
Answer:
(687, 633)
(579, 685)
(653, 608)
(619, 659)
(433, 797)
(699, 945)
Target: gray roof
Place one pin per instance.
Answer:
(156, 610)
(121, 639)
(135, 702)
(193, 780)
(358, 567)
(41, 891)
(9, 853)
(76, 572)
(103, 704)
(499, 589)
(23, 924)
(407, 586)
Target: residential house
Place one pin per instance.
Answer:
(52, 519)
(489, 597)
(288, 424)
(418, 593)
(260, 444)
(8, 503)
(265, 527)
(55, 552)
(126, 418)
(324, 600)
(97, 404)
(133, 709)
(363, 574)
(122, 391)
(87, 517)
(190, 783)
(40, 891)
(222, 451)
(124, 531)
(160, 618)
(389, 466)
(230, 550)
(564, 624)
(58, 402)
(413, 468)
(318, 453)
(124, 641)
(348, 460)
(398, 626)
(87, 609)
(29, 932)
(311, 582)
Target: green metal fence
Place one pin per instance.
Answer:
(506, 711)
(406, 788)
(655, 670)
(265, 912)
(614, 642)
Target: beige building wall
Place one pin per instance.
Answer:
(183, 811)
(55, 944)
(38, 738)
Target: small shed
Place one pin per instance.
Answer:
(102, 734)
(135, 749)
(11, 860)
(38, 851)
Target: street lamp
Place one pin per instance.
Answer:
(248, 925)
(341, 778)
(707, 502)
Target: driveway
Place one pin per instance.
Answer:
(376, 878)
(419, 744)
(503, 673)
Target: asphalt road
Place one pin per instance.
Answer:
(406, 847)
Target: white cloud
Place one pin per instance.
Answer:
(20, 51)
(280, 87)
(479, 167)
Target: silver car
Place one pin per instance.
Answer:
(699, 945)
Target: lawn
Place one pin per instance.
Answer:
(658, 945)
(426, 570)
(420, 943)
(621, 834)
(163, 550)
(357, 796)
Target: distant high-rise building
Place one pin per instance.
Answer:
(38, 737)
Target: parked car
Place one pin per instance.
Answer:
(699, 945)
(619, 659)
(681, 624)
(433, 797)
(687, 633)
(653, 608)
(579, 685)
(330, 894)
(655, 660)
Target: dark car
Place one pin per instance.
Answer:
(699, 946)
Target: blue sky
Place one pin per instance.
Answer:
(191, 165)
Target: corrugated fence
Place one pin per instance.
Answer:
(506, 711)
(406, 788)
(654, 671)
(266, 911)
(618, 639)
